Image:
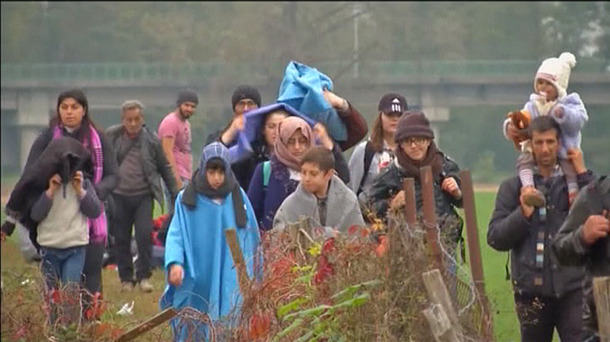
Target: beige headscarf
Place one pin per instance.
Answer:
(286, 129)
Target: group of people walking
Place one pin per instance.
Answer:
(275, 164)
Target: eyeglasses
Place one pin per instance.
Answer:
(418, 141)
(246, 102)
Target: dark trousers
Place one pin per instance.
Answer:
(130, 211)
(538, 316)
(92, 278)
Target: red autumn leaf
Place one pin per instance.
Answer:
(382, 247)
(364, 232)
(328, 246)
(259, 325)
(325, 269)
(55, 296)
(100, 329)
(116, 333)
(352, 230)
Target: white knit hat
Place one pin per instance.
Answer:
(557, 72)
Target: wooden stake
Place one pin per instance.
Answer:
(601, 292)
(430, 216)
(474, 252)
(150, 323)
(238, 260)
(410, 206)
(442, 316)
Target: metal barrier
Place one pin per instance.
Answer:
(200, 71)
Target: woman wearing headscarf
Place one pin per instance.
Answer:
(274, 180)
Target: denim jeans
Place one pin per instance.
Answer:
(62, 269)
(63, 265)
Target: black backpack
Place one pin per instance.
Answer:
(369, 153)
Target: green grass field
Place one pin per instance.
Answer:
(499, 291)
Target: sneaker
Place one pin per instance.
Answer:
(146, 286)
(126, 286)
(534, 198)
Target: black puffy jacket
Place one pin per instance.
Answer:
(510, 231)
(388, 183)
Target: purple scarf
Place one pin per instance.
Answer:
(98, 231)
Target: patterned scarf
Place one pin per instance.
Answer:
(433, 158)
(98, 231)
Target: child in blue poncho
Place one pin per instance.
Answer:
(200, 269)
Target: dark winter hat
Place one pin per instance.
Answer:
(187, 95)
(413, 124)
(392, 103)
(246, 92)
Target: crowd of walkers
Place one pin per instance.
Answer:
(278, 163)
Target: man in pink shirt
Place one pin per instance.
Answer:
(175, 135)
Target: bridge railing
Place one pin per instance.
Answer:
(203, 71)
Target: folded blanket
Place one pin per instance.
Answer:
(302, 88)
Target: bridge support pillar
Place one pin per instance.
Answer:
(33, 115)
(434, 112)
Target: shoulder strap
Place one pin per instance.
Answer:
(266, 173)
(368, 158)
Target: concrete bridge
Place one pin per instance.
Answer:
(29, 91)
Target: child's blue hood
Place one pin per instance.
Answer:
(215, 149)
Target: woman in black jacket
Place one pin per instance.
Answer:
(73, 120)
(416, 149)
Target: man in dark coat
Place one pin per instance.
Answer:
(583, 240)
(547, 294)
(142, 167)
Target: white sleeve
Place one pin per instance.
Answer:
(356, 166)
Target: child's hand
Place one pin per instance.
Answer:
(451, 187)
(77, 183)
(175, 275)
(558, 112)
(54, 184)
(2, 236)
(398, 201)
(320, 132)
(576, 158)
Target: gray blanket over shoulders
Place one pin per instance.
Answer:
(343, 209)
